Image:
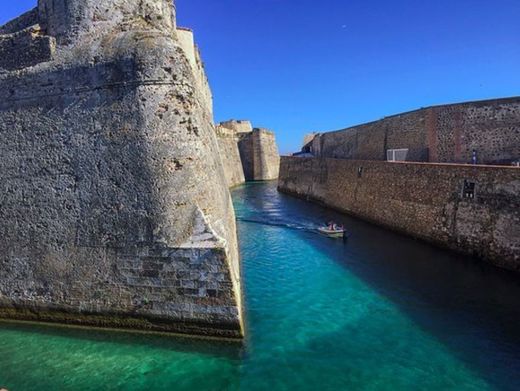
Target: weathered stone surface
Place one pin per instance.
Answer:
(69, 19)
(422, 200)
(228, 146)
(447, 134)
(113, 200)
(238, 126)
(259, 155)
(248, 154)
(25, 48)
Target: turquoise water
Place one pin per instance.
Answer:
(381, 312)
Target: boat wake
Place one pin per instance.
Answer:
(298, 227)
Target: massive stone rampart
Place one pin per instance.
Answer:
(114, 205)
(248, 154)
(259, 155)
(228, 146)
(470, 209)
(448, 133)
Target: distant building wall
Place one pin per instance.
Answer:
(445, 134)
(248, 154)
(470, 209)
(259, 155)
(307, 140)
(228, 145)
(238, 126)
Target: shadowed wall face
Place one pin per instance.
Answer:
(259, 155)
(228, 146)
(248, 154)
(471, 209)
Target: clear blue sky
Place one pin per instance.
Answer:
(299, 65)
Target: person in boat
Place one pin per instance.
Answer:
(332, 226)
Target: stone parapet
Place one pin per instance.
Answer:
(238, 126)
(25, 48)
(69, 20)
(438, 134)
(22, 22)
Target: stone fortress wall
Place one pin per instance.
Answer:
(249, 154)
(259, 154)
(439, 134)
(471, 209)
(114, 206)
(23, 43)
(228, 146)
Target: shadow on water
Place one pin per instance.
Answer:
(231, 350)
(471, 308)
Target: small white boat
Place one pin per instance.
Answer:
(333, 233)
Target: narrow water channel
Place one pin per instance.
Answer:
(380, 312)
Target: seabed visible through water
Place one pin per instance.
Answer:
(381, 312)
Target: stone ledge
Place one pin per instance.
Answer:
(123, 322)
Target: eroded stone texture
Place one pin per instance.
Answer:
(248, 154)
(114, 205)
(447, 134)
(69, 19)
(238, 126)
(25, 48)
(228, 146)
(427, 201)
(259, 154)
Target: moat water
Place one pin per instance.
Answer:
(380, 312)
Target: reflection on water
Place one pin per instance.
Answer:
(381, 311)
